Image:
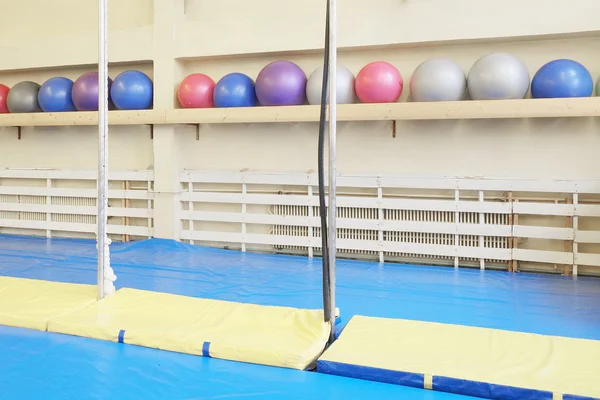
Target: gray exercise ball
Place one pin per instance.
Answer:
(498, 76)
(345, 86)
(23, 98)
(438, 79)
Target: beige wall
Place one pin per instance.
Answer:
(235, 27)
(217, 37)
(37, 33)
(28, 19)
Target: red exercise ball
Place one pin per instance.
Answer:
(196, 91)
(378, 82)
(3, 95)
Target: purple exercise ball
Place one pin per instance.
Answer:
(85, 92)
(281, 83)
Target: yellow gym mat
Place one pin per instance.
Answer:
(277, 336)
(479, 362)
(30, 303)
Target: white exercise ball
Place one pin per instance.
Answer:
(345, 86)
(438, 79)
(498, 76)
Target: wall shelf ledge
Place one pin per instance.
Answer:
(491, 109)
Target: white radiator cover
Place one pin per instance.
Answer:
(515, 224)
(62, 203)
(412, 216)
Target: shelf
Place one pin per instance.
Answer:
(528, 108)
(86, 118)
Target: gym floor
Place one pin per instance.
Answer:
(37, 364)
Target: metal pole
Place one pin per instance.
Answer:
(102, 239)
(332, 155)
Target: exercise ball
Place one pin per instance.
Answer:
(3, 97)
(23, 98)
(132, 90)
(438, 79)
(55, 95)
(196, 91)
(562, 78)
(85, 92)
(378, 82)
(345, 86)
(498, 76)
(235, 90)
(281, 83)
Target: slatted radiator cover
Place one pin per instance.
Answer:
(516, 224)
(63, 203)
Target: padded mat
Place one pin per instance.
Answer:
(472, 361)
(41, 365)
(30, 303)
(276, 336)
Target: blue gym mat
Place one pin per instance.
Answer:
(535, 303)
(39, 364)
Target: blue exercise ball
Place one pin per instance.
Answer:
(235, 90)
(55, 95)
(132, 90)
(562, 78)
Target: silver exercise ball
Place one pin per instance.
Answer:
(498, 76)
(438, 79)
(345, 86)
(23, 98)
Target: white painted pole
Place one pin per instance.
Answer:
(104, 272)
(332, 154)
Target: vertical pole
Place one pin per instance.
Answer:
(332, 157)
(575, 243)
(103, 250)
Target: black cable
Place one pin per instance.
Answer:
(321, 157)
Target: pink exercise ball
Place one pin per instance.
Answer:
(379, 82)
(196, 91)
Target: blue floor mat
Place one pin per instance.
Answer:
(543, 304)
(44, 365)
(41, 365)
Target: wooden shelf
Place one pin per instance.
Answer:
(85, 118)
(528, 108)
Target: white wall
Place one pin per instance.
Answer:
(37, 34)
(216, 27)
(33, 19)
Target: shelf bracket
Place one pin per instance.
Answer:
(197, 130)
(18, 132)
(152, 132)
(394, 129)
